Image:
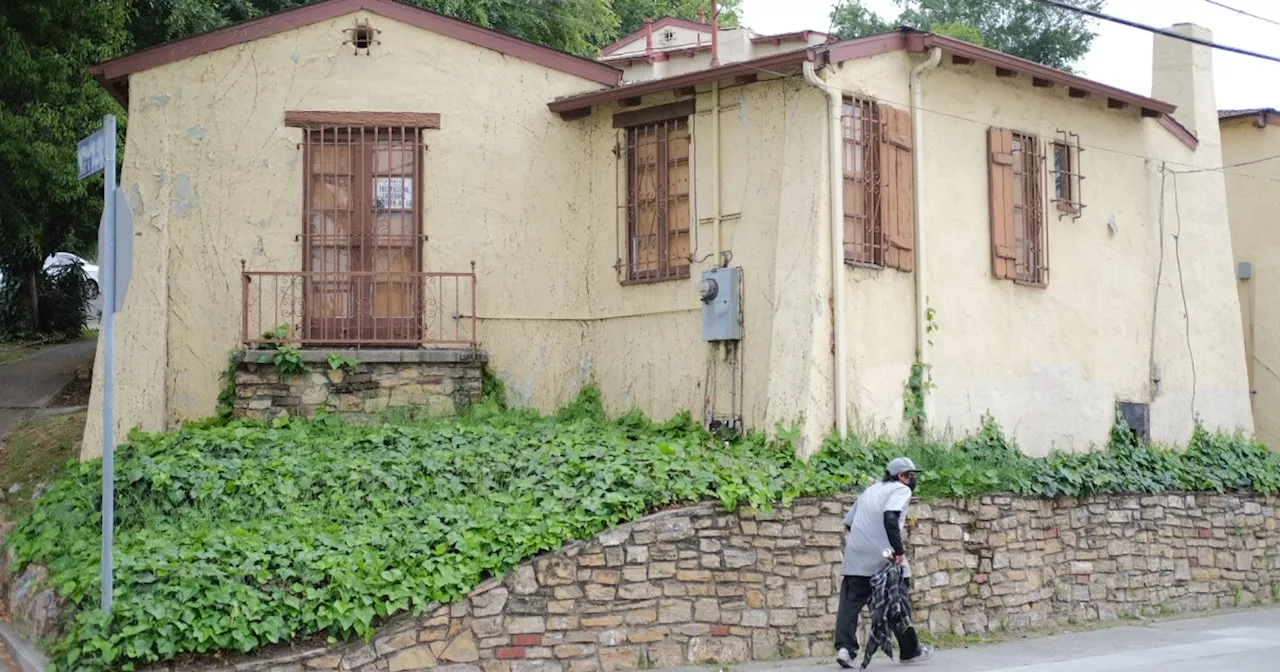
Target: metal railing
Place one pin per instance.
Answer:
(352, 308)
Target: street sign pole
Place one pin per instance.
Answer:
(108, 357)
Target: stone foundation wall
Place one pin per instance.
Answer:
(701, 585)
(443, 382)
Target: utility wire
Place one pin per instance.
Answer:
(1157, 31)
(1241, 11)
(1193, 168)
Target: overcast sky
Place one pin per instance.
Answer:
(1120, 56)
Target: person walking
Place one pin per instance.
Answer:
(876, 522)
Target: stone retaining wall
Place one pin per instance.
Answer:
(701, 585)
(440, 382)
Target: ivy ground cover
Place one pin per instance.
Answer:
(233, 536)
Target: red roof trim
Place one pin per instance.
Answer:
(923, 41)
(114, 74)
(1179, 131)
(661, 23)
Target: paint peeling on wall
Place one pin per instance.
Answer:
(197, 133)
(185, 199)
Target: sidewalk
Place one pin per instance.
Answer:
(1247, 641)
(28, 384)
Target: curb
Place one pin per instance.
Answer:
(28, 658)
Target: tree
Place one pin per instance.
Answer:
(575, 26)
(48, 101)
(632, 13)
(1023, 28)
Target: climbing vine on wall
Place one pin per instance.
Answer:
(919, 382)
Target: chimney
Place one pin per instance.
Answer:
(1182, 74)
(702, 15)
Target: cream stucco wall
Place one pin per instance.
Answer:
(215, 177)
(528, 196)
(1253, 199)
(1050, 364)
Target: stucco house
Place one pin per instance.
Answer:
(376, 177)
(1251, 160)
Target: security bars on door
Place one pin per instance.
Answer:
(654, 211)
(362, 281)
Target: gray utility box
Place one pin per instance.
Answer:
(721, 293)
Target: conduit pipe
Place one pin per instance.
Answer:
(917, 195)
(835, 191)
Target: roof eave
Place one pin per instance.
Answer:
(113, 74)
(1042, 75)
(577, 106)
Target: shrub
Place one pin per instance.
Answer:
(235, 535)
(63, 306)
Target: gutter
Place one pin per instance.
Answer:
(917, 196)
(835, 192)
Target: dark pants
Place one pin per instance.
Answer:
(855, 593)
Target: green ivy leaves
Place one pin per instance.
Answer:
(236, 535)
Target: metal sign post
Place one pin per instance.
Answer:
(115, 247)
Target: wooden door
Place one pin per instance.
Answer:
(363, 237)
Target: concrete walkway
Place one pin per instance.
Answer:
(28, 384)
(1247, 641)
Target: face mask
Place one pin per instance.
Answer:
(911, 481)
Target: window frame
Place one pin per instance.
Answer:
(1067, 183)
(862, 168)
(1033, 228)
(661, 121)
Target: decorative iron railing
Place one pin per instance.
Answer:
(385, 309)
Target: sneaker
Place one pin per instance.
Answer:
(844, 658)
(926, 652)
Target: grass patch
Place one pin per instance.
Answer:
(14, 351)
(36, 452)
(951, 640)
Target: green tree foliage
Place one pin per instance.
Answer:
(48, 101)
(632, 13)
(1023, 28)
(576, 26)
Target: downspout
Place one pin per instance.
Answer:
(835, 193)
(917, 179)
(715, 167)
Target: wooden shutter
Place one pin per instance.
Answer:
(1003, 241)
(897, 215)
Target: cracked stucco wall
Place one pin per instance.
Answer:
(1253, 199)
(220, 176)
(1050, 364)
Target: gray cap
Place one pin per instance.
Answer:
(902, 465)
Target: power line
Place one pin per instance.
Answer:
(1241, 11)
(987, 124)
(1157, 31)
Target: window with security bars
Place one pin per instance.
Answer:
(1019, 240)
(878, 219)
(655, 207)
(361, 236)
(1067, 177)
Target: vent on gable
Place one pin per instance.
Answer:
(362, 36)
(668, 36)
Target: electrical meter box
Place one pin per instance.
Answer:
(721, 294)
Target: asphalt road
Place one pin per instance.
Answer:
(1247, 641)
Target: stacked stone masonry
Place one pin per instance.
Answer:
(439, 382)
(701, 585)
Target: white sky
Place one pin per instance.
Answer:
(1120, 56)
